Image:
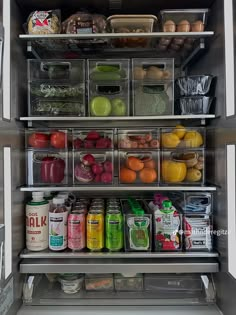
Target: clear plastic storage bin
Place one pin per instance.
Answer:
(53, 139)
(138, 168)
(93, 167)
(93, 139)
(109, 98)
(183, 167)
(153, 99)
(138, 139)
(181, 137)
(132, 24)
(108, 69)
(99, 282)
(128, 282)
(47, 168)
(195, 105)
(195, 85)
(150, 70)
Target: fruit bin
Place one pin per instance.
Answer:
(109, 98)
(47, 167)
(93, 139)
(108, 69)
(138, 139)
(198, 232)
(128, 283)
(137, 225)
(182, 138)
(59, 70)
(132, 24)
(43, 139)
(153, 99)
(153, 70)
(138, 167)
(93, 167)
(183, 167)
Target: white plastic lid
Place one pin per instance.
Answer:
(47, 194)
(58, 201)
(37, 195)
(63, 195)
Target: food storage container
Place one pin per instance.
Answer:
(184, 20)
(71, 283)
(195, 105)
(183, 167)
(132, 24)
(108, 69)
(47, 168)
(44, 71)
(128, 282)
(179, 283)
(198, 232)
(93, 139)
(153, 99)
(41, 139)
(136, 139)
(93, 167)
(194, 85)
(99, 282)
(109, 98)
(138, 167)
(182, 138)
(137, 225)
(150, 70)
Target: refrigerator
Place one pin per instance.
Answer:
(213, 54)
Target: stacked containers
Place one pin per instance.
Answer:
(47, 157)
(138, 157)
(56, 88)
(153, 87)
(183, 156)
(108, 87)
(93, 157)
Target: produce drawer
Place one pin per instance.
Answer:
(99, 282)
(128, 282)
(47, 168)
(138, 139)
(93, 139)
(93, 167)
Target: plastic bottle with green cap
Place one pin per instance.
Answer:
(167, 206)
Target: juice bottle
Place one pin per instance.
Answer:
(58, 225)
(37, 222)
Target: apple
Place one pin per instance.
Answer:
(100, 106)
(118, 107)
(97, 168)
(108, 166)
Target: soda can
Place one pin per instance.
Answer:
(113, 207)
(95, 230)
(80, 208)
(76, 230)
(84, 200)
(114, 230)
(97, 207)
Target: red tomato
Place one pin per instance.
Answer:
(38, 140)
(58, 140)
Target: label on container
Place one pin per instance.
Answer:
(37, 227)
(58, 231)
(76, 231)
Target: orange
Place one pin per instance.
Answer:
(148, 175)
(149, 163)
(134, 163)
(127, 176)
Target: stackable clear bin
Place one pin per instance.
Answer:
(184, 167)
(139, 167)
(99, 282)
(53, 139)
(128, 283)
(47, 168)
(93, 167)
(93, 139)
(56, 88)
(138, 139)
(183, 137)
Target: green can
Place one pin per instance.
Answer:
(114, 230)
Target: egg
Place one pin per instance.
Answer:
(169, 26)
(183, 26)
(197, 26)
(178, 41)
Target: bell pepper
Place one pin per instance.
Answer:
(52, 170)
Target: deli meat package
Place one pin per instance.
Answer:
(44, 22)
(84, 23)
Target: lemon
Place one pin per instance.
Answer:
(193, 175)
(170, 140)
(193, 139)
(179, 131)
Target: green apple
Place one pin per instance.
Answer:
(100, 106)
(118, 107)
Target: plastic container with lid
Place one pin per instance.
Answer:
(128, 282)
(71, 283)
